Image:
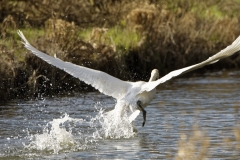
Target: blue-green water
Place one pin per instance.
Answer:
(189, 117)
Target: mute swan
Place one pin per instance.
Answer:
(131, 96)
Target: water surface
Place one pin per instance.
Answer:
(189, 117)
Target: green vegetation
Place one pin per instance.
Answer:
(124, 37)
(130, 36)
(118, 36)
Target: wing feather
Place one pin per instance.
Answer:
(105, 83)
(228, 51)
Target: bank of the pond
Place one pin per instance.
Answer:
(125, 39)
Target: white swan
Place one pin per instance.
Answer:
(130, 96)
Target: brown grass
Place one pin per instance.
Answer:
(194, 146)
(158, 34)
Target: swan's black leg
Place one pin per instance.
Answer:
(144, 112)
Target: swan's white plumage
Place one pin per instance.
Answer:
(126, 93)
(99, 80)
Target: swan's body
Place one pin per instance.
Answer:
(131, 96)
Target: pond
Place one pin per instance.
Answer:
(189, 118)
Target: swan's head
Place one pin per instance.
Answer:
(154, 75)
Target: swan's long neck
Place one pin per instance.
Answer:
(154, 75)
(152, 78)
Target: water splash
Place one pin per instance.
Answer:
(70, 134)
(55, 136)
(112, 126)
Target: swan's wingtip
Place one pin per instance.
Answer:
(25, 41)
(19, 32)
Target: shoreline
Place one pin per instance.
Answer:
(126, 42)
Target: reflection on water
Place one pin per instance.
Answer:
(190, 117)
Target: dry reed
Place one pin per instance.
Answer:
(156, 34)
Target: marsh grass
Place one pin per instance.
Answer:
(124, 37)
(195, 143)
(132, 36)
(117, 36)
(193, 146)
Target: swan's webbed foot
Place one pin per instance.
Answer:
(144, 112)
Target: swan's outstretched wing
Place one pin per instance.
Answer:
(228, 51)
(102, 81)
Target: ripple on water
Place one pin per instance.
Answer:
(184, 113)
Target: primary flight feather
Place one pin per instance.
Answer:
(132, 97)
